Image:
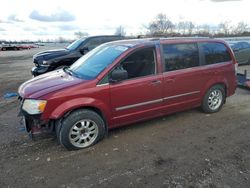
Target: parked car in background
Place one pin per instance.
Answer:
(7, 47)
(26, 46)
(127, 81)
(56, 59)
(242, 52)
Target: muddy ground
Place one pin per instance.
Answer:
(187, 149)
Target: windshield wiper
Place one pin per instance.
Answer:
(71, 73)
(67, 70)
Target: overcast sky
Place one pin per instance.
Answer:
(42, 19)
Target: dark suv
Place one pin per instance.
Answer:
(55, 59)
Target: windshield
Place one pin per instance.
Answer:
(74, 45)
(93, 63)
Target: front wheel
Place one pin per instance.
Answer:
(81, 129)
(214, 99)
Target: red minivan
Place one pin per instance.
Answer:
(123, 82)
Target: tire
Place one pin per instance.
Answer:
(213, 99)
(81, 129)
(58, 127)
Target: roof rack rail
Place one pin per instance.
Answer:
(171, 37)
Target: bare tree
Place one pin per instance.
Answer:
(80, 34)
(181, 27)
(120, 31)
(225, 27)
(240, 28)
(190, 27)
(160, 25)
(185, 27)
(204, 29)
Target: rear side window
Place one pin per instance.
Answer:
(94, 42)
(112, 38)
(180, 56)
(215, 52)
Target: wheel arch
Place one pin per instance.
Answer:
(221, 82)
(68, 107)
(92, 108)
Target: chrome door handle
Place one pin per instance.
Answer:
(168, 81)
(156, 82)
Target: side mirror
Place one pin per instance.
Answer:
(118, 75)
(84, 50)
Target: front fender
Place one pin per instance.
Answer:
(77, 103)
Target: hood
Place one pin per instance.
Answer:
(47, 83)
(47, 55)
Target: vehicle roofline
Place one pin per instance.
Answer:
(158, 40)
(96, 36)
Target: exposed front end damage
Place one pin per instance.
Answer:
(33, 124)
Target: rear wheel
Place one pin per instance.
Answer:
(81, 129)
(214, 99)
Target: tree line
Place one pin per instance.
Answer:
(162, 25)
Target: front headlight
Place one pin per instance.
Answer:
(45, 62)
(33, 107)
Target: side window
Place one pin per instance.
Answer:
(109, 39)
(180, 56)
(140, 63)
(103, 40)
(93, 42)
(215, 52)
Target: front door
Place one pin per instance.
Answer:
(140, 96)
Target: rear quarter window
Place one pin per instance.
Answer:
(215, 52)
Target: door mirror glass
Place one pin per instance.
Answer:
(84, 50)
(118, 75)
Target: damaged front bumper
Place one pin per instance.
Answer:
(33, 124)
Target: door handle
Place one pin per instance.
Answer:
(156, 82)
(168, 81)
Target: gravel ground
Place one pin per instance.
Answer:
(187, 149)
